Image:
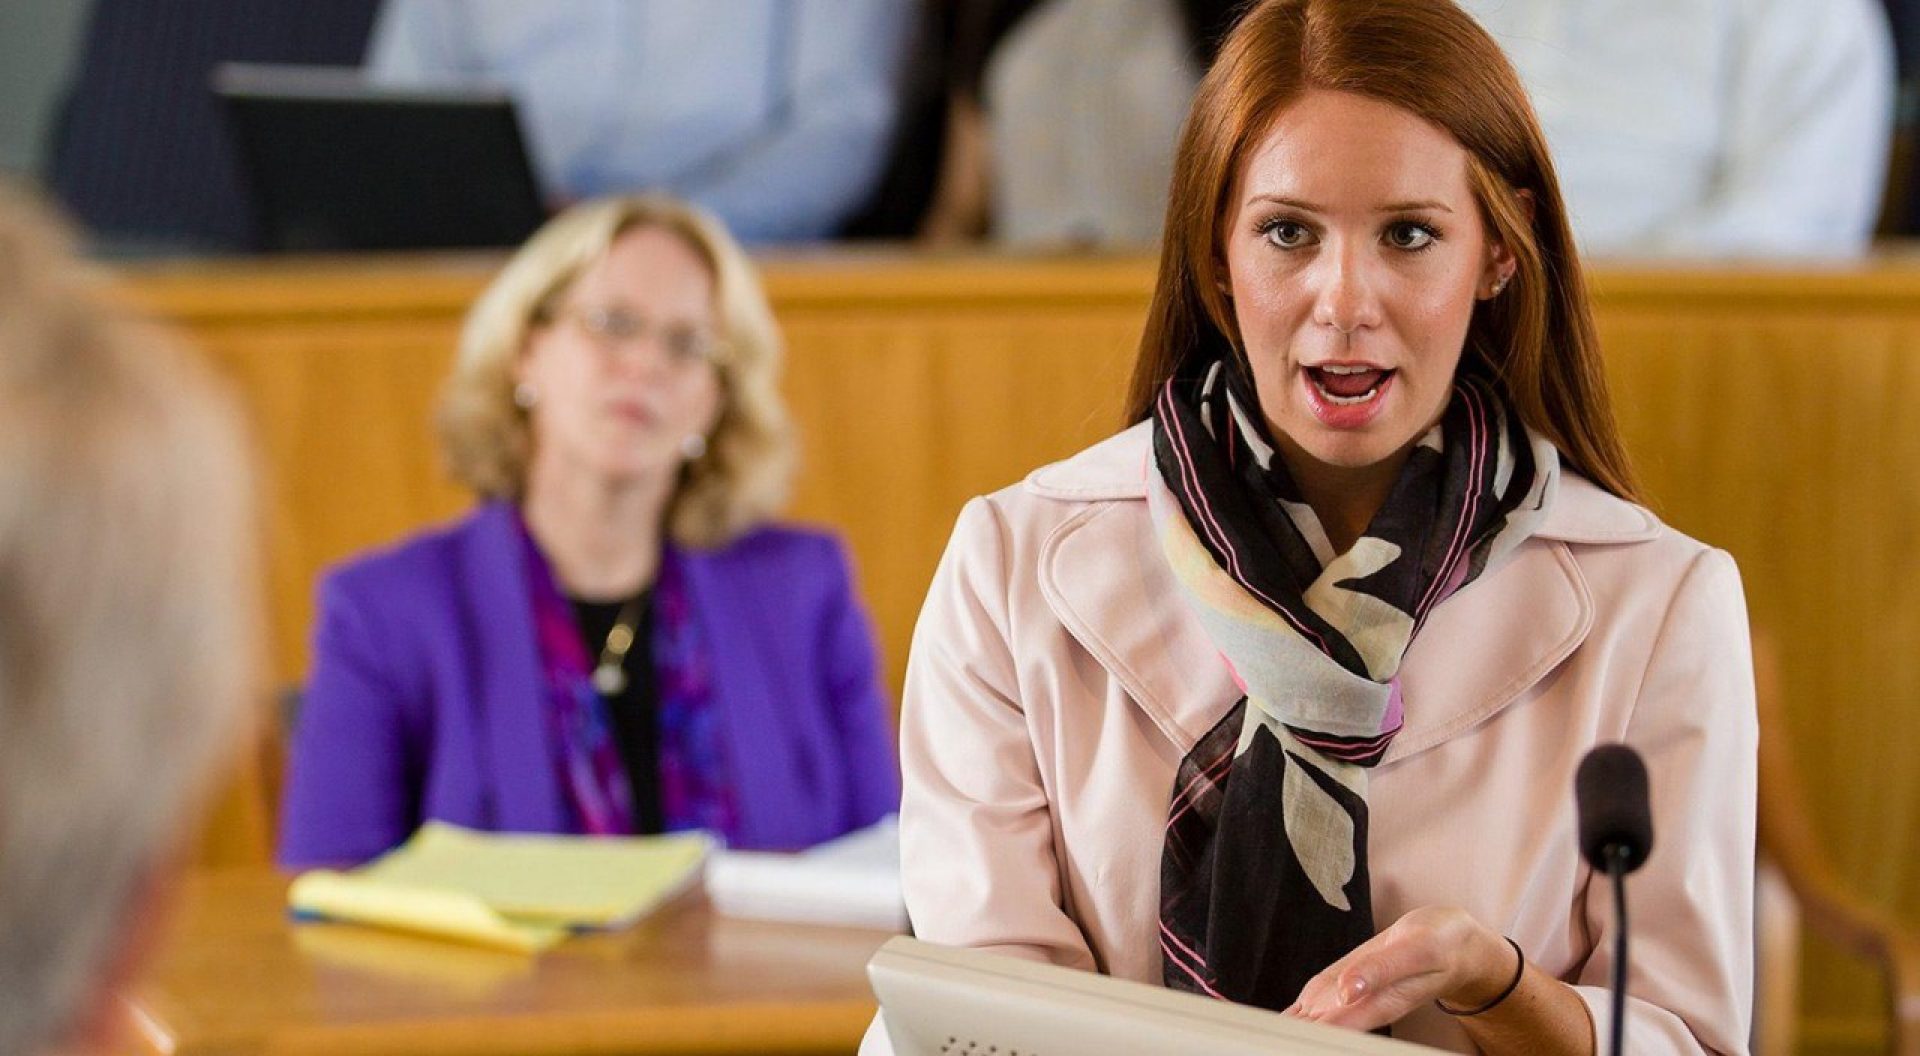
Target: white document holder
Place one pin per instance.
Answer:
(943, 1001)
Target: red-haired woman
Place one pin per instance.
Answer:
(1277, 696)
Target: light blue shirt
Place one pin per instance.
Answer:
(1709, 127)
(774, 114)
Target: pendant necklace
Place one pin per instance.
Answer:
(610, 674)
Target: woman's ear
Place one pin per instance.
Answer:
(1497, 273)
(522, 374)
(1501, 265)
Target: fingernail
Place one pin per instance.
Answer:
(1353, 989)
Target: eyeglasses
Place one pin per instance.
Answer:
(620, 329)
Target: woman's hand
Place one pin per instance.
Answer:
(1431, 953)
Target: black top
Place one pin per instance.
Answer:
(635, 711)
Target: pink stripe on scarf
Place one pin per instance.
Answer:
(1190, 480)
(1167, 936)
(1225, 758)
(1477, 446)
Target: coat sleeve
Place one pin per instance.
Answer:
(862, 721)
(349, 793)
(976, 826)
(1690, 908)
(976, 822)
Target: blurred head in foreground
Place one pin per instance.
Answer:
(127, 629)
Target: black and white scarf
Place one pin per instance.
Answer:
(1263, 879)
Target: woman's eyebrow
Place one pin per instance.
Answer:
(1414, 206)
(1294, 203)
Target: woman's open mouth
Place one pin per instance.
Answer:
(1348, 386)
(1347, 395)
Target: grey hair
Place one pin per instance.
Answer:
(129, 624)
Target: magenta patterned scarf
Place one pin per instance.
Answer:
(696, 791)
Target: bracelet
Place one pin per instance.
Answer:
(1518, 971)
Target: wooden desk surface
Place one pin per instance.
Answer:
(238, 977)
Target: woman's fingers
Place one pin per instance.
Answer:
(1375, 985)
(1398, 970)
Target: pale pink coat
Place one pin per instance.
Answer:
(1057, 678)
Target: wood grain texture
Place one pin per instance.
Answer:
(1774, 412)
(237, 978)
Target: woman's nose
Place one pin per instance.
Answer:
(644, 356)
(1346, 297)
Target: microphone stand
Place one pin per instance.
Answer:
(1617, 857)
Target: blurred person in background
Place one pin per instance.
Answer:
(1705, 127)
(128, 633)
(140, 152)
(775, 115)
(617, 640)
(1710, 127)
(1902, 213)
(1062, 117)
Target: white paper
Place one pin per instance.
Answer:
(852, 881)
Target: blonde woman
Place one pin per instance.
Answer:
(616, 640)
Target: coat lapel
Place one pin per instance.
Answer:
(1484, 647)
(1101, 573)
(517, 778)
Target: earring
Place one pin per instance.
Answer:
(524, 396)
(692, 446)
(1500, 284)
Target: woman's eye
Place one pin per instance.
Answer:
(1409, 235)
(1288, 234)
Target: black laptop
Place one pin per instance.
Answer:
(335, 163)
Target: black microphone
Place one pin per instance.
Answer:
(1616, 835)
(1616, 824)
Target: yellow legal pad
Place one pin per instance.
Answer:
(512, 892)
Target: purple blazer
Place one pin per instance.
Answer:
(425, 698)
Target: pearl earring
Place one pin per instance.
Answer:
(1499, 284)
(524, 396)
(692, 446)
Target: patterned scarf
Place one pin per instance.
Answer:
(695, 789)
(1263, 878)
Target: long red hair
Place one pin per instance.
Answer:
(1428, 57)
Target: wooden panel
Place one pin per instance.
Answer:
(1784, 429)
(906, 418)
(1775, 413)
